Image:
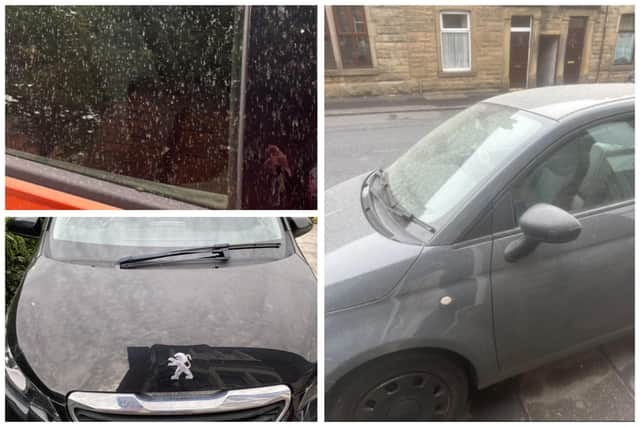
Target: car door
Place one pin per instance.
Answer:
(565, 295)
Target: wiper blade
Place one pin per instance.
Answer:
(218, 252)
(394, 206)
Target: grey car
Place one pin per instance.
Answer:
(500, 241)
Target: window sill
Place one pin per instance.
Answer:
(622, 67)
(351, 72)
(445, 74)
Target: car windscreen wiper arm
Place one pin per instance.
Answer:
(394, 206)
(215, 252)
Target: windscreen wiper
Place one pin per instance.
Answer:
(219, 252)
(394, 206)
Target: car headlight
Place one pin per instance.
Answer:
(308, 410)
(26, 398)
(13, 372)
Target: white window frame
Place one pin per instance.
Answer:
(522, 29)
(455, 30)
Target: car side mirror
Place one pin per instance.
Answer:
(300, 226)
(542, 223)
(25, 227)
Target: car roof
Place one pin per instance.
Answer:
(556, 102)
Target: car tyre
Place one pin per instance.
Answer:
(408, 386)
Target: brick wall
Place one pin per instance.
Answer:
(607, 25)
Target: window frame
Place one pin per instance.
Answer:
(332, 32)
(633, 48)
(466, 30)
(328, 38)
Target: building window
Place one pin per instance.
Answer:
(455, 35)
(329, 56)
(625, 43)
(352, 34)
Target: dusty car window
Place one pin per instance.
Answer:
(109, 237)
(447, 165)
(166, 232)
(134, 91)
(594, 169)
(149, 96)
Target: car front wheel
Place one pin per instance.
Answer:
(408, 386)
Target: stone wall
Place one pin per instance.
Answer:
(405, 44)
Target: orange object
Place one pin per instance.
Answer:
(22, 195)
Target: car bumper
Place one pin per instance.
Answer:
(19, 408)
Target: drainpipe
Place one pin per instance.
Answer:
(243, 98)
(604, 33)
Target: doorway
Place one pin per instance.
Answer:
(575, 45)
(547, 60)
(519, 51)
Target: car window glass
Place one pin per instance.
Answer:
(443, 169)
(109, 238)
(124, 89)
(149, 97)
(593, 169)
(166, 232)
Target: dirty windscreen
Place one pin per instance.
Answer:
(151, 97)
(109, 238)
(445, 168)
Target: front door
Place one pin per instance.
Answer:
(565, 295)
(519, 51)
(575, 45)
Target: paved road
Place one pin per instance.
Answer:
(594, 385)
(355, 144)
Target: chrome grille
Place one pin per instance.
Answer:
(255, 404)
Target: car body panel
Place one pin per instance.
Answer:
(82, 326)
(557, 102)
(413, 316)
(360, 271)
(452, 264)
(342, 203)
(86, 187)
(24, 195)
(563, 295)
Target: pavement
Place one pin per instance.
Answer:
(309, 246)
(398, 103)
(594, 385)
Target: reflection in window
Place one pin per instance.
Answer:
(281, 115)
(149, 97)
(136, 91)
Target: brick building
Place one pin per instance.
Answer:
(447, 50)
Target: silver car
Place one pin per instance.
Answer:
(502, 240)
